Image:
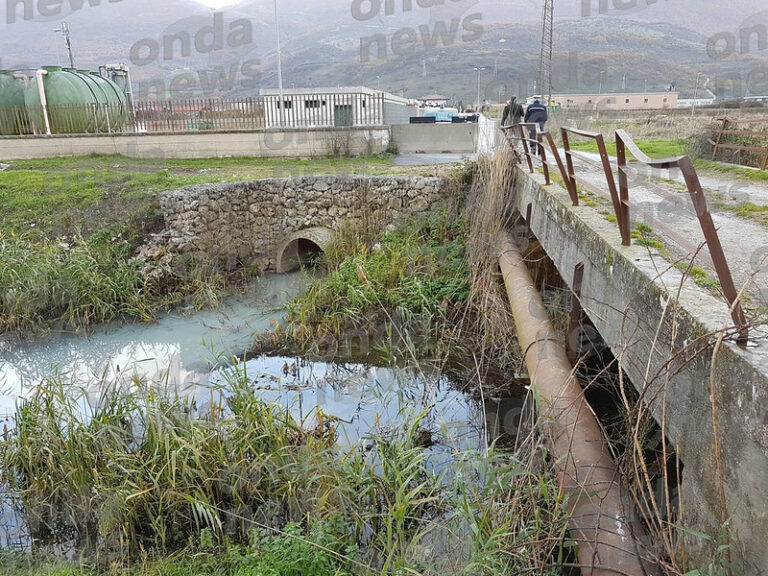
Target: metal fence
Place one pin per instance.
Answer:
(193, 115)
(746, 147)
(198, 114)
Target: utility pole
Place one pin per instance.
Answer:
(478, 69)
(545, 58)
(279, 70)
(64, 29)
(695, 94)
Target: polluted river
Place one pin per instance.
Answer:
(190, 354)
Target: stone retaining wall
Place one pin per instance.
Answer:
(242, 224)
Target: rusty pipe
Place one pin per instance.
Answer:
(607, 541)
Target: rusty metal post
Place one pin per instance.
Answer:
(621, 160)
(569, 158)
(524, 138)
(693, 184)
(623, 222)
(576, 315)
(543, 154)
(570, 184)
(607, 540)
(715, 247)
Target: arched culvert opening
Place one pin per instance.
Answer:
(301, 253)
(302, 249)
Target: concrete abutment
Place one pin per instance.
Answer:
(663, 328)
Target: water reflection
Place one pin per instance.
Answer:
(173, 351)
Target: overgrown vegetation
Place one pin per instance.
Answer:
(414, 277)
(149, 485)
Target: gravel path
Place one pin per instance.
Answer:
(660, 200)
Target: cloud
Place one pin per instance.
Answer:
(217, 4)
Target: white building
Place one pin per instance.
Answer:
(616, 101)
(341, 106)
(433, 100)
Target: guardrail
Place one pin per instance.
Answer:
(620, 194)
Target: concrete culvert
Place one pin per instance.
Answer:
(302, 249)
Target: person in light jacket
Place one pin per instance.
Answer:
(536, 113)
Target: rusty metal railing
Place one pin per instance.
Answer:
(620, 202)
(542, 137)
(624, 142)
(726, 131)
(619, 194)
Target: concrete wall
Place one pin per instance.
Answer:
(243, 224)
(397, 114)
(435, 138)
(665, 343)
(259, 144)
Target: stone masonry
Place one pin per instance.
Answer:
(242, 224)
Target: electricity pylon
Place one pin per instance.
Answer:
(545, 59)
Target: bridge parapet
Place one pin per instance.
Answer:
(676, 342)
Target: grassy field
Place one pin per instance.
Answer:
(71, 226)
(741, 172)
(82, 194)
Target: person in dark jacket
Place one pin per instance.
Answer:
(536, 114)
(513, 113)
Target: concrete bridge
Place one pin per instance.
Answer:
(677, 343)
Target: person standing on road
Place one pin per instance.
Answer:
(513, 112)
(536, 114)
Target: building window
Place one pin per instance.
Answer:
(645, 100)
(589, 101)
(313, 104)
(609, 101)
(287, 105)
(665, 99)
(626, 100)
(363, 103)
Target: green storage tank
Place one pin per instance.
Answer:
(76, 102)
(115, 97)
(11, 104)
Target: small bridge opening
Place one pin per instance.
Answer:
(302, 249)
(300, 253)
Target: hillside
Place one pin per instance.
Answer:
(185, 49)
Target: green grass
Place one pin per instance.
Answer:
(71, 225)
(753, 212)
(741, 172)
(417, 272)
(654, 148)
(78, 194)
(699, 276)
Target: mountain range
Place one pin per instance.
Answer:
(184, 48)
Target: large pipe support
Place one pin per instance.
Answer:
(607, 541)
(43, 99)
